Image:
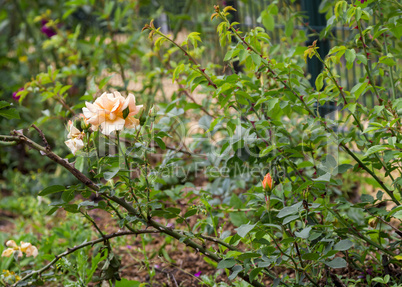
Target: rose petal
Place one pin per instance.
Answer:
(110, 126)
(11, 243)
(8, 252)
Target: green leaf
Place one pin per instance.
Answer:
(304, 233)
(235, 270)
(374, 149)
(319, 82)
(290, 219)
(160, 143)
(336, 49)
(104, 81)
(367, 198)
(4, 104)
(226, 263)
(254, 273)
(325, 177)
(244, 229)
(358, 89)
(395, 210)
(362, 58)
(268, 20)
(228, 55)
(248, 255)
(379, 195)
(343, 245)
(289, 210)
(52, 210)
(108, 175)
(79, 163)
(68, 195)
(51, 189)
(338, 262)
(64, 89)
(9, 114)
(398, 215)
(189, 213)
(311, 256)
(289, 28)
(73, 208)
(344, 167)
(350, 55)
(237, 218)
(256, 59)
(387, 61)
(241, 100)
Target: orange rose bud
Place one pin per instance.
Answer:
(267, 182)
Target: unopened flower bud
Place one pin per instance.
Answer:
(267, 183)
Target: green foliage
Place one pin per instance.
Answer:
(198, 157)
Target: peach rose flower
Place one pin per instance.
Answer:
(109, 112)
(25, 247)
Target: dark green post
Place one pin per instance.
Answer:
(317, 22)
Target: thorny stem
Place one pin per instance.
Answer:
(188, 95)
(191, 58)
(367, 56)
(106, 242)
(64, 104)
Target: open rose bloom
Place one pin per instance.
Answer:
(75, 142)
(109, 112)
(25, 247)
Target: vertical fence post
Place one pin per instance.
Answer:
(317, 22)
(235, 18)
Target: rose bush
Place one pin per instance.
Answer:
(254, 176)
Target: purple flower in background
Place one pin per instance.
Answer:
(15, 97)
(48, 31)
(198, 274)
(362, 1)
(128, 246)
